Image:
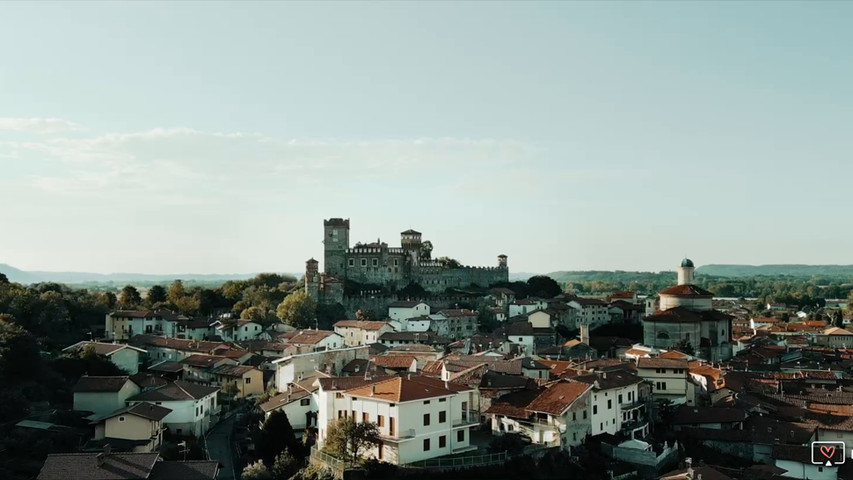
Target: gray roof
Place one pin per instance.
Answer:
(144, 410)
(88, 384)
(187, 470)
(84, 466)
(174, 392)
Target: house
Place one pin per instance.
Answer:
(555, 415)
(523, 306)
(835, 337)
(121, 355)
(539, 319)
(531, 368)
(796, 461)
(617, 404)
(405, 309)
(299, 401)
(721, 418)
(669, 377)
(392, 364)
(195, 328)
(102, 395)
(293, 368)
(124, 466)
(199, 368)
(137, 428)
(361, 332)
(176, 349)
(393, 339)
(122, 325)
(314, 340)
(460, 322)
(240, 380)
(418, 417)
(237, 330)
(593, 312)
(194, 407)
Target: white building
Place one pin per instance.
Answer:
(193, 407)
(139, 425)
(418, 417)
(124, 324)
(238, 330)
(593, 312)
(669, 377)
(526, 305)
(296, 367)
(361, 332)
(617, 403)
(102, 395)
(314, 340)
(404, 310)
(121, 355)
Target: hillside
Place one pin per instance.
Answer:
(27, 277)
(793, 270)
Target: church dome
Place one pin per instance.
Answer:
(687, 262)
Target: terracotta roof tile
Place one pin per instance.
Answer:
(558, 397)
(686, 291)
(394, 361)
(361, 324)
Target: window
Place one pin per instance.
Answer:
(609, 404)
(601, 426)
(584, 414)
(426, 444)
(595, 409)
(363, 262)
(340, 414)
(426, 419)
(442, 400)
(391, 426)
(520, 339)
(339, 395)
(426, 402)
(574, 416)
(305, 402)
(442, 441)
(365, 417)
(442, 417)
(248, 380)
(351, 262)
(620, 398)
(120, 419)
(353, 414)
(375, 262)
(380, 420)
(396, 262)
(460, 435)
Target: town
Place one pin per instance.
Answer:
(385, 362)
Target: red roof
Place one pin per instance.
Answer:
(686, 291)
(407, 389)
(558, 397)
(394, 361)
(362, 324)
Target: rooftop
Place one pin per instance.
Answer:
(88, 384)
(175, 391)
(407, 389)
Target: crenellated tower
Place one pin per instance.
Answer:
(312, 279)
(335, 245)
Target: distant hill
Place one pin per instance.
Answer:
(609, 276)
(776, 270)
(21, 276)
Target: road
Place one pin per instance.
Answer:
(219, 447)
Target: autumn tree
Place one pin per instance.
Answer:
(156, 294)
(129, 297)
(346, 439)
(176, 291)
(297, 310)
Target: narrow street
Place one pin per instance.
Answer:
(219, 448)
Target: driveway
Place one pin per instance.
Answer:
(219, 448)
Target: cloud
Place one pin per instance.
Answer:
(41, 126)
(189, 163)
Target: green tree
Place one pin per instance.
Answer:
(364, 315)
(255, 314)
(20, 358)
(297, 310)
(156, 294)
(286, 465)
(425, 252)
(3, 278)
(328, 315)
(176, 291)
(277, 436)
(347, 439)
(543, 286)
(129, 297)
(683, 346)
(256, 471)
(448, 262)
(486, 319)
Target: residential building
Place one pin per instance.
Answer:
(194, 407)
(405, 309)
(617, 404)
(796, 462)
(526, 305)
(124, 466)
(361, 332)
(102, 395)
(391, 364)
(460, 323)
(123, 356)
(293, 368)
(394, 339)
(122, 325)
(299, 401)
(593, 312)
(237, 330)
(199, 368)
(313, 340)
(240, 380)
(669, 377)
(418, 417)
(136, 428)
(175, 349)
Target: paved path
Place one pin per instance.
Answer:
(219, 448)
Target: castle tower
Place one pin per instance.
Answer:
(502, 261)
(335, 245)
(685, 272)
(312, 279)
(411, 242)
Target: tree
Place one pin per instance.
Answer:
(838, 319)
(512, 443)
(3, 278)
(327, 315)
(176, 291)
(255, 314)
(286, 465)
(448, 262)
(256, 471)
(543, 286)
(412, 290)
(129, 297)
(364, 315)
(20, 359)
(156, 294)
(297, 310)
(486, 319)
(276, 436)
(425, 252)
(683, 346)
(347, 439)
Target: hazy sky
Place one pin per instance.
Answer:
(215, 137)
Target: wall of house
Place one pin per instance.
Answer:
(674, 385)
(807, 471)
(126, 359)
(132, 428)
(102, 403)
(191, 417)
(251, 383)
(296, 411)
(291, 368)
(405, 313)
(539, 320)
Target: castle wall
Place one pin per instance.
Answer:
(379, 266)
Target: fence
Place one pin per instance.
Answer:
(336, 465)
(460, 462)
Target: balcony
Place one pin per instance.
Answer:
(632, 425)
(633, 405)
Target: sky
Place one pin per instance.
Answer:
(202, 137)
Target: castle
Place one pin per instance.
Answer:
(388, 269)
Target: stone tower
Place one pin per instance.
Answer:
(335, 245)
(411, 242)
(685, 272)
(502, 261)
(312, 279)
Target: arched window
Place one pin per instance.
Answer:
(663, 336)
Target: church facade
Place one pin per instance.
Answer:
(686, 315)
(388, 268)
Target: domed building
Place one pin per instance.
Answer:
(686, 315)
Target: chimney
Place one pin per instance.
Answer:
(373, 390)
(446, 385)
